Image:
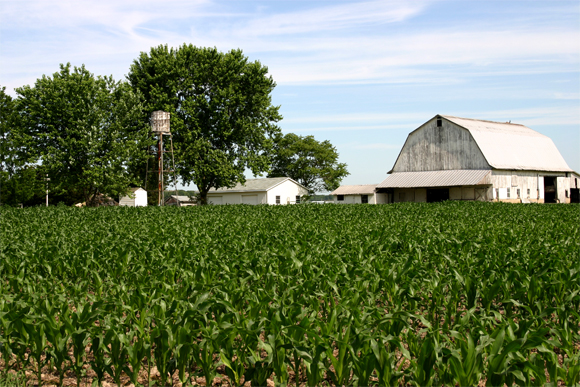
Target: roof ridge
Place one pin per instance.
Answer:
(491, 122)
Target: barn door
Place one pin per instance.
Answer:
(481, 194)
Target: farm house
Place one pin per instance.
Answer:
(354, 194)
(274, 190)
(137, 198)
(466, 159)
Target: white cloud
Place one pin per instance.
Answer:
(334, 17)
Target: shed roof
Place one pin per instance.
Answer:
(364, 189)
(513, 146)
(448, 178)
(180, 198)
(255, 185)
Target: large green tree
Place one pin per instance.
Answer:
(6, 123)
(222, 118)
(84, 131)
(312, 163)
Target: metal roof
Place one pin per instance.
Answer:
(180, 198)
(255, 185)
(448, 178)
(364, 189)
(513, 146)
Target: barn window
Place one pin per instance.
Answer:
(364, 199)
(508, 193)
(528, 192)
(518, 192)
(340, 198)
(439, 122)
(277, 199)
(576, 182)
(497, 193)
(297, 199)
(567, 194)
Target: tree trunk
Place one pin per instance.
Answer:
(202, 197)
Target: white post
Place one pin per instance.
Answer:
(47, 180)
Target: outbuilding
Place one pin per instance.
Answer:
(180, 200)
(274, 190)
(355, 194)
(453, 158)
(137, 198)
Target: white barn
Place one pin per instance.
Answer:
(466, 159)
(356, 194)
(274, 190)
(137, 198)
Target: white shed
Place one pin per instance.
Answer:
(137, 198)
(466, 159)
(356, 194)
(273, 190)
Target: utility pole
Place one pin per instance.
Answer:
(47, 180)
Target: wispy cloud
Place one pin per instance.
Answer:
(531, 117)
(315, 45)
(332, 18)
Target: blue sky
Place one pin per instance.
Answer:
(360, 74)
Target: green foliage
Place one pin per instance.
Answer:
(311, 163)
(84, 131)
(222, 118)
(7, 148)
(450, 293)
(26, 186)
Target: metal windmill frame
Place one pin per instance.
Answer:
(160, 126)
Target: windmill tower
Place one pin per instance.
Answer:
(160, 127)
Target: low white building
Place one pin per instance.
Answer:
(137, 198)
(274, 190)
(453, 158)
(356, 194)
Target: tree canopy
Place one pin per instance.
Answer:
(311, 163)
(222, 118)
(84, 131)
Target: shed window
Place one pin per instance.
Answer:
(340, 198)
(364, 199)
(497, 193)
(528, 192)
(518, 192)
(297, 199)
(508, 193)
(277, 199)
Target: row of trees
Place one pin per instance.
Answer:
(90, 134)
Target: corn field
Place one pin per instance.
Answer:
(455, 294)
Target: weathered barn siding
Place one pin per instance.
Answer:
(530, 185)
(432, 148)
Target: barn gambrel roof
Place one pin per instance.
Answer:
(513, 146)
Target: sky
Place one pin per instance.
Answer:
(361, 74)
